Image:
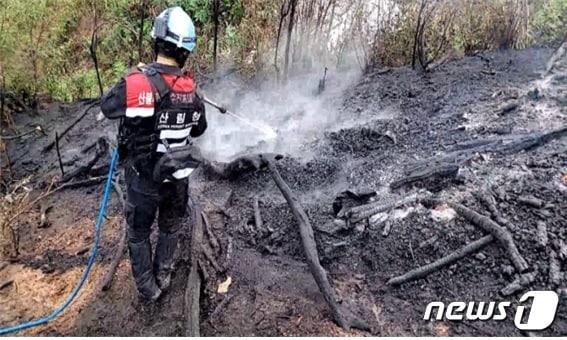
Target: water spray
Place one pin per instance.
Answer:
(265, 129)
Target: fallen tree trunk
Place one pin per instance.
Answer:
(344, 317)
(193, 289)
(504, 145)
(421, 272)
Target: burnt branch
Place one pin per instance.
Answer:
(107, 281)
(505, 146)
(210, 235)
(93, 103)
(59, 155)
(93, 46)
(487, 199)
(501, 234)
(436, 171)
(488, 225)
(342, 315)
(453, 257)
(359, 213)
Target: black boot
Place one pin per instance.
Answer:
(163, 261)
(141, 259)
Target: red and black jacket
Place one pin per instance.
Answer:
(159, 109)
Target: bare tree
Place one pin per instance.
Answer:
(284, 11)
(216, 14)
(35, 61)
(143, 4)
(93, 46)
(419, 27)
(293, 6)
(3, 113)
(428, 46)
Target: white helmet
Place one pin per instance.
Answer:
(175, 26)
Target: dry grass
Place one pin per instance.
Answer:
(13, 204)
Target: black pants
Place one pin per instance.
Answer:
(146, 198)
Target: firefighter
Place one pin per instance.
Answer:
(159, 113)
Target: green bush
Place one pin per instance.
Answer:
(44, 44)
(550, 23)
(53, 38)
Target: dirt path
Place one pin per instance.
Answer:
(391, 121)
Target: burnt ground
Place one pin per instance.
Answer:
(272, 291)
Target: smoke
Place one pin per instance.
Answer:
(295, 111)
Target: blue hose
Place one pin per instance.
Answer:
(90, 263)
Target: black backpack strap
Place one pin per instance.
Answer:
(157, 81)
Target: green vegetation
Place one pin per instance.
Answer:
(44, 44)
(550, 23)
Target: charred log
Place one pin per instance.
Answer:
(433, 171)
(488, 225)
(342, 315)
(239, 166)
(422, 272)
(501, 234)
(359, 213)
(503, 145)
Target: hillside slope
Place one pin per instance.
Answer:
(392, 124)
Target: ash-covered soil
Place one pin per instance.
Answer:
(391, 121)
